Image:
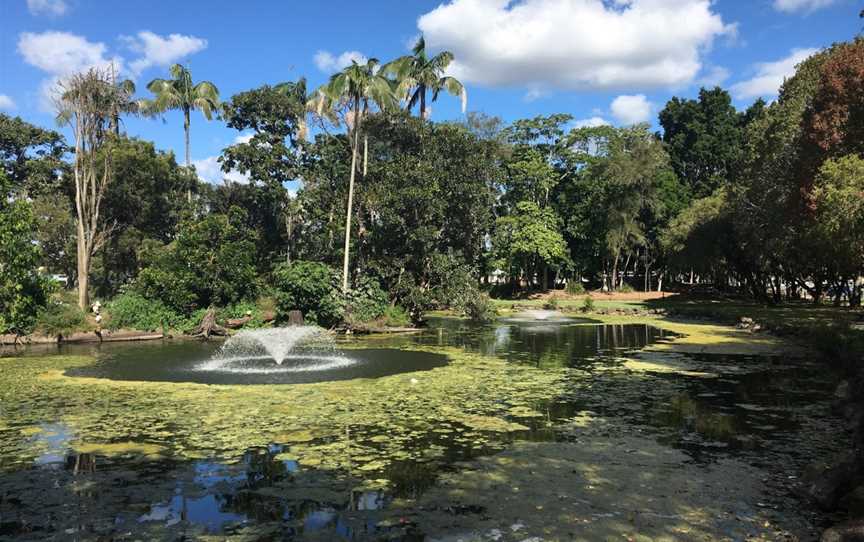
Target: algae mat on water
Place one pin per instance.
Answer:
(359, 425)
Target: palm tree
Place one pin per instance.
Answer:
(354, 90)
(181, 93)
(128, 105)
(417, 74)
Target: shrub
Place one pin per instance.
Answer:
(625, 288)
(311, 288)
(365, 302)
(60, 318)
(395, 316)
(587, 304)
(480, 308)
(551, 303)
(131, 310)
(212, 262)
(574, 287)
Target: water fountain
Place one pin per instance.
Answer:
(293, 349)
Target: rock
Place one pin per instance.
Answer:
(849, 531)
(825, 484)
(853, 502)
(745, 323)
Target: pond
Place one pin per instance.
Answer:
(560, 428)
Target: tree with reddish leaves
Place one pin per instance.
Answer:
(833, 125)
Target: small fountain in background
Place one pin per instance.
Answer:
(307, 348)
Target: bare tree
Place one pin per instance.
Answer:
(88, 102)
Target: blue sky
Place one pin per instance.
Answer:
(614, 61)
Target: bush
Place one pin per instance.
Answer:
(310, 287)
(574, 287)
(587, 304)
(212, 262)
(625, 288)
(395, 316)
(551, 303)
(60, 318)
(480, 308)
(366, 302)
(131, 310)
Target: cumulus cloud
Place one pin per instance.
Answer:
(806, 6)
(47, 7)
(159, 50)
(629, 110)
(575, 44)
(770, 76)
(7, 103)
(714, 76)
(210, 171)
(592, 122)
(61, 54)
(328, 63)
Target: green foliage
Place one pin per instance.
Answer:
(365, 302)
(395, 316)
(310, 287)
(480, 308)
(131, 310)
(31, 157)
(60, 317)
(210, 263)
(23, 290)
(574, 287)
(551, 303)
(587, 304)
(528, 237)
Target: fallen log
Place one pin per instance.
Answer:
(235, 323)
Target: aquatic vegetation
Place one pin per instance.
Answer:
(332, 425)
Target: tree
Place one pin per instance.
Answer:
(838, 195)
(182, 94)
(31, 157)
(22, 290)
(211, 263)
(88, 103)
(703, 138)
(354, 90)
(529, 240)
(418, 74)
(55, 233)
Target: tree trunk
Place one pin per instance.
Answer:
(83, 271)
(351, 195)
(186, 127)
(614, 285)
(423, 103)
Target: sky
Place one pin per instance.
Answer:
(602, 61)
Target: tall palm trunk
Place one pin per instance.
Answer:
(422, 91)
(186, 125)
(354, 146)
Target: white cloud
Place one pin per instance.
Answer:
(159, 50)
(328, 63)
(243, 138)
(575, 44)
(770, 75)
(7, 103)
(806, 6)
(61, 54)
(592, 122)
(714, 76)
(47, 7)
(210, 171)
(629, 110)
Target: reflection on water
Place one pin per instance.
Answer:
(743, 410)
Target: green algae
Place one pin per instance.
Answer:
(360, 425)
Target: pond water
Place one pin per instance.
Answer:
(709, 453)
